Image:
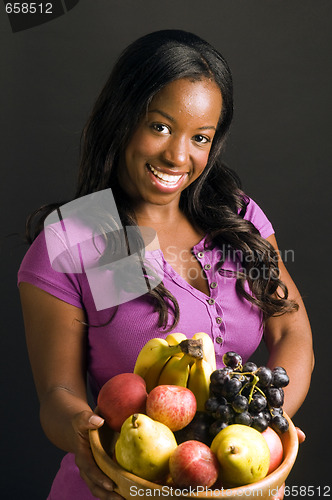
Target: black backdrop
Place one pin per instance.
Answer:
(280, 145)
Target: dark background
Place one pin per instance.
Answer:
(280, 144)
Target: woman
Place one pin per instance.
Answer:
(155, 137)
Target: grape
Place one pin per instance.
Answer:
(231, 388)
(249, 366)
(279, 369)
(276, 411)
(243, 418)
(244, 379)
(224, 413)
(212, 404)
(267, 416)
(216, 427)
(222, 400)
(218, 377)
(246, 391)
(215, 390)
(257, 404)
(275, 396)
(279, 378)
(232, 359)
(265, 376)
(240, 403)
(259, 422)
(279, 423)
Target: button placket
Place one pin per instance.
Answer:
(204, 257)
(219, 327)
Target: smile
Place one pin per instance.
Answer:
(167, 179)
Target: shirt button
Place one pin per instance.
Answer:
(218, 320)
(219, 340)
(207, 266)
(200, 255)
(211, 302)
(213, 284)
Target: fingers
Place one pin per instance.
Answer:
(86, 420)
(99, 484)
(96, 421)
(300, 434)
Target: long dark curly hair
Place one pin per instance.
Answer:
(215, 201)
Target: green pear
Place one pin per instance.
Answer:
(144, 447)
(243, 454)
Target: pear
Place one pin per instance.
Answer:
(243, 454)
(144, 447)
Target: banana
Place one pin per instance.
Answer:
(152, 352)
(199, 382)
(208, 349)
(176, 370)
(175, 338)
(156, 352)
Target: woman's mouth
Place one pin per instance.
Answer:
(163, 180)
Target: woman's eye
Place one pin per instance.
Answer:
(159, 127)
(201, 139)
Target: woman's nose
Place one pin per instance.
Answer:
(176, 151)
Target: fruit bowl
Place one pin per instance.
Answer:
(128, 485)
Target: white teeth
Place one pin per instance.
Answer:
(170, 179)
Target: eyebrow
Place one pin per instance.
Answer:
(170, 118)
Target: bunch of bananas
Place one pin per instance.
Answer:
(178, 360)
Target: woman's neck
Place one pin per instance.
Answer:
(159, 215)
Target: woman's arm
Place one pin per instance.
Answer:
(56, 341)
(289, 342)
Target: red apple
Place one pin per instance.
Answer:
(193, 464)
(172, 405)
(276, 449)
(120, 397)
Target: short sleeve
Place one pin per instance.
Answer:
(37, 270)
(256, 215)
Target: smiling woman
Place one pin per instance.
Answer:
(155, 138)
(170, 147)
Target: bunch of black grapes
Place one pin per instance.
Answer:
(247, 395)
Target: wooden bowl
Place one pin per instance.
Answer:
(128, 485)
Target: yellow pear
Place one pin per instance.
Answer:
(243, 454)
(144, 447)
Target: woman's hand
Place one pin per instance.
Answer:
(300, 434)
(58, 361)
(99, 484)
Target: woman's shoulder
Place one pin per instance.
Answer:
(48, 265)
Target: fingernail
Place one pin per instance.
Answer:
(95, 420)
(108, 486)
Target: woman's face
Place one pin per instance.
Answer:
(170, 148)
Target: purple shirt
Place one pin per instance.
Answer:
(232, 322)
